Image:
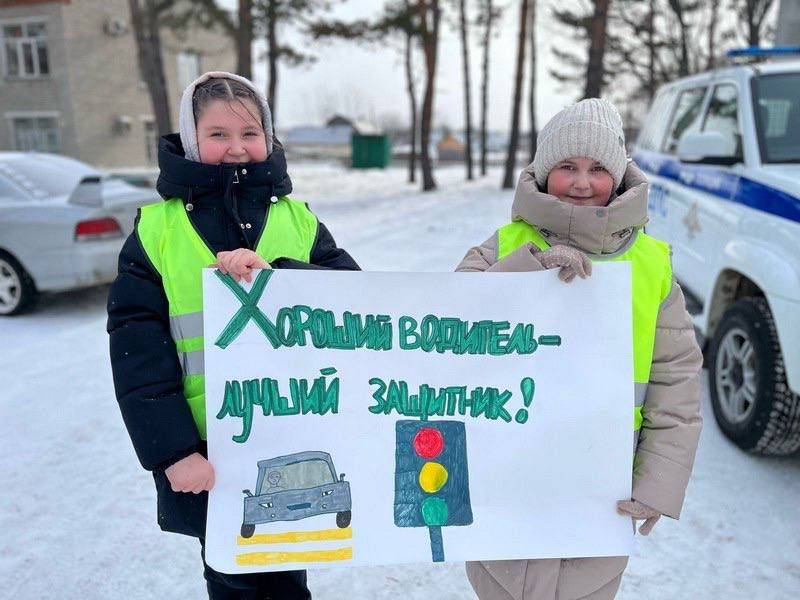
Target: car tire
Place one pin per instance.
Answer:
(752, 402)
(17, 290)
(248, 529)
(343, 519)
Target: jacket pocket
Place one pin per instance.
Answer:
(180, 512)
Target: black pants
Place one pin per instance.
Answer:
(283, 585)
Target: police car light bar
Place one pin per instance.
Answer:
(757, 51)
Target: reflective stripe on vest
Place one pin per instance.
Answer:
(179, 255)
(651, 284)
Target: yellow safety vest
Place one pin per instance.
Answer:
(651, 284)
(179, 254)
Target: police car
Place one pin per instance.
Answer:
(722, 152)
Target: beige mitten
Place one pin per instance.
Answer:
(639, 511)
(570, 260)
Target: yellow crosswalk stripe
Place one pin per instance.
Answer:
(293, 537)
(273, 558)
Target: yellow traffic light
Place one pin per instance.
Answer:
(432, 477)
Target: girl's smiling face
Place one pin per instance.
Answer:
(581, 181)
(231, 132)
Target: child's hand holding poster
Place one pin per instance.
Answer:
(373, 418)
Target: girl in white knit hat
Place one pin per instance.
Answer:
(581, 201)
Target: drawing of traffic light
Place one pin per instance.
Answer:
(431, 485)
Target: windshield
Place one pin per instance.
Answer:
(777, 109)
(45, 176)
(296, 476)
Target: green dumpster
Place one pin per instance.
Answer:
(370, 151)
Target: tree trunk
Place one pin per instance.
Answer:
(412, 102)
(272, 59)
(244, 41)
(430, 17)
(145, 23)
(597, 35)
(487, 36)
(651, 51)
(711, 61)
(467, 91)
(677, 9)
(534, 134)
(513, 142)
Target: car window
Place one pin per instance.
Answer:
(653, 131)
(44, 176)
(296, 476)
(777, 109)
(8, 192)
(722, 116)
(686, 114)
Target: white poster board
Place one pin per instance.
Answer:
(425, 417)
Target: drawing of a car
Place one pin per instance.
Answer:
(295, 487)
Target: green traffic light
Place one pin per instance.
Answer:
(434, 512)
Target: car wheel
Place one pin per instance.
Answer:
(343, 519)
(752, 403)
(17, 290)
(248, 530)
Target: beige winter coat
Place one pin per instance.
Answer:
(671, 412)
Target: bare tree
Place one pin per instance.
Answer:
(753, 15)
(260, 18)
(209, 14)
(430, 16)
(244, 39)
(274, 16)
(711, 56)
(412, 93)
(595, 70)
(534, 134)
(590, 28)
(513, 141)
(680, 8)
(462, 8)
(488, 15)
(146, 18)
(655, 41)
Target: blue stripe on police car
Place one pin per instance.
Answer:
(717, 182)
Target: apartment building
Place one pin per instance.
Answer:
(70, 80)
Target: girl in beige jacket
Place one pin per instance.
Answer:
(584, 196)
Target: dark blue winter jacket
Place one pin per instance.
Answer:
(144, 361)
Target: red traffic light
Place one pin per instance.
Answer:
(428, 442)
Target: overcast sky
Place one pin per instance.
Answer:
(347, 76)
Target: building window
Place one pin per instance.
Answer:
(38, 134)
(25, 49)
(151, 142)
(188, 68)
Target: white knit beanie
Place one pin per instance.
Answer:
(188, 128)
(591, 128)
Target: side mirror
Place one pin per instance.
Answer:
(341, 476)
(707, 147)
(248, 493)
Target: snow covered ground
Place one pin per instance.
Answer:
(77, 513)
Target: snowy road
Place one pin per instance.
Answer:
(77, 514)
